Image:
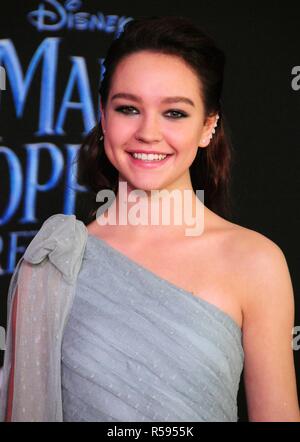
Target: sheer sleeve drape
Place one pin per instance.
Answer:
(44, 281)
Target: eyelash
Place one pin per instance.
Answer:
(183, 114)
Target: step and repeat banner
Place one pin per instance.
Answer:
(51, 63)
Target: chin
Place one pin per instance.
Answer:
(141, 184)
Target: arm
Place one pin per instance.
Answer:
(269, 373)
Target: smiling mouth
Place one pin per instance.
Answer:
(148, 162)
(149, 156)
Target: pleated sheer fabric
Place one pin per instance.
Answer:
(42, 287)
(139, 348)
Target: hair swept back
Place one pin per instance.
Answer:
(172, 35)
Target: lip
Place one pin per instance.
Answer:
(151, 164)
(148, 152)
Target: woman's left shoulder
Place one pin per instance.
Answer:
(261, 266)
(253, 249)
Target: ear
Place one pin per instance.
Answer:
(103, 122)
(207, 131)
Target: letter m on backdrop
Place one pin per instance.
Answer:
(47, 53)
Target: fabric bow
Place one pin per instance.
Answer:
(62, 239)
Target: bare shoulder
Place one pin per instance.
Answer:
(268, 320)
(260, 263)
(256, 267)
(256, 244)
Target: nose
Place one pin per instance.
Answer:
(148, 131)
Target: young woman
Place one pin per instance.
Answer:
(121, 321)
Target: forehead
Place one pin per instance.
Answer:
(154, 75)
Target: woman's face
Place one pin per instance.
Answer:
(144, 121)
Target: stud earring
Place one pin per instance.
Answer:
(102, 136)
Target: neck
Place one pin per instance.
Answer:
(174, 211)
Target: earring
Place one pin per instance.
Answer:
(102, 136)
(213, 131)
(216, 123)
(214, 128)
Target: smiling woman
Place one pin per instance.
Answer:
(138, 321)
(140, 70)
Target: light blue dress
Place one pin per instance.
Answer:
(138, 348)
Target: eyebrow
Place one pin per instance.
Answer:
(133, 97)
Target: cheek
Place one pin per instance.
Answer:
(120, 128)
(186, 146)
(183, 137)
(182, 142)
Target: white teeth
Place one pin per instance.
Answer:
(148, 157)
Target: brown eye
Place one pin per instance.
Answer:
(125, 109)
(177, 114)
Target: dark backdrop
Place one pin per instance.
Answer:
(38, 142)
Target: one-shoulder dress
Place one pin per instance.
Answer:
(135, 347)
(138, 348)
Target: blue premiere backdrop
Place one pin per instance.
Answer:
(51, 63)
(50, 94)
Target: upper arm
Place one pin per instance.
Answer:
(268, 308)
(11, 376)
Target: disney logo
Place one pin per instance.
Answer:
(67, 16)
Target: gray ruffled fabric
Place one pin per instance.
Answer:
(138, 348)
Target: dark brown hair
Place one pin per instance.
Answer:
(171, 35)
